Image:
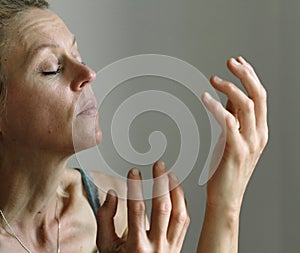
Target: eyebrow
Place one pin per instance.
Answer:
(43, 46)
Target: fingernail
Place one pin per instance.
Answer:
(207, 96)
(108, 197)
(217, 79)
(112, 193)
(161, 165)
(241, 58)
(135, 172)
(235, 62)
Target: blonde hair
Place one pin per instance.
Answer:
(8, 10)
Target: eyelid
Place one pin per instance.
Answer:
(56, 70)
(53, 72)
(59, 66)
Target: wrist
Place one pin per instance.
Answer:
(220, 229)
(228, 212)
(224, 200)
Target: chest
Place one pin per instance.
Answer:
(78, 227)
(75, 232)
(75, 235)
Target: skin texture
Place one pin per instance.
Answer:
(36, 137)
(49, 92)
(246, 137)
(49, 96)
(169, 217)
(57, 97)
(246, 134)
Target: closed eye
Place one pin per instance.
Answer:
(55, 72)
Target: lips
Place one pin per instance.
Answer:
(90, 109)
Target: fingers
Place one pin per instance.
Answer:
(106, 234)
(136, 206)
(169, 218)
(249, 112)
(161, 202)
(225, 119)
(244, 71)
(179, 220)
(239, 105)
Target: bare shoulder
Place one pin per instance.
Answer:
(72, 180)
(71, 177)
(73, 192)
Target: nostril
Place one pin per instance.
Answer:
(84, 77)
(83, 84)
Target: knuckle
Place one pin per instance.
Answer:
(188, 220)
(253, 148)
(248, 105)
(230, 87)
(117, 245)
(230, 122)
(138, 208)
(240, 158)
(247, 71)
(263, 94)
(181, 217)
(163, 207)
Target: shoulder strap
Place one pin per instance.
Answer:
(91, 190)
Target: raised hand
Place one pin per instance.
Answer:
(169, 217)
(246, 134)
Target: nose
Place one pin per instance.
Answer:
(82, 76)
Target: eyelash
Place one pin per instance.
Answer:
(59, 70)
(48, 73)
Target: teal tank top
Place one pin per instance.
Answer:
(91, 190)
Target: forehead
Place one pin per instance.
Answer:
(33, 28)
(36, 24)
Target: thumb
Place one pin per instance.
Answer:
(106, 235)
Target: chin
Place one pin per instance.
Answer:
(98, 136)
(85, 142)
(86, 136)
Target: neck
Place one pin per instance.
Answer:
(28, 186)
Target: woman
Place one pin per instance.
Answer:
(46, 207)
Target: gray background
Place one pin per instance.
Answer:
(205, 33)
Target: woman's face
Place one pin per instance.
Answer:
(48, 87)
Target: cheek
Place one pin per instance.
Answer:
(39, 117)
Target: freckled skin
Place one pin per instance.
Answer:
(40, 119)
(39, 107)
